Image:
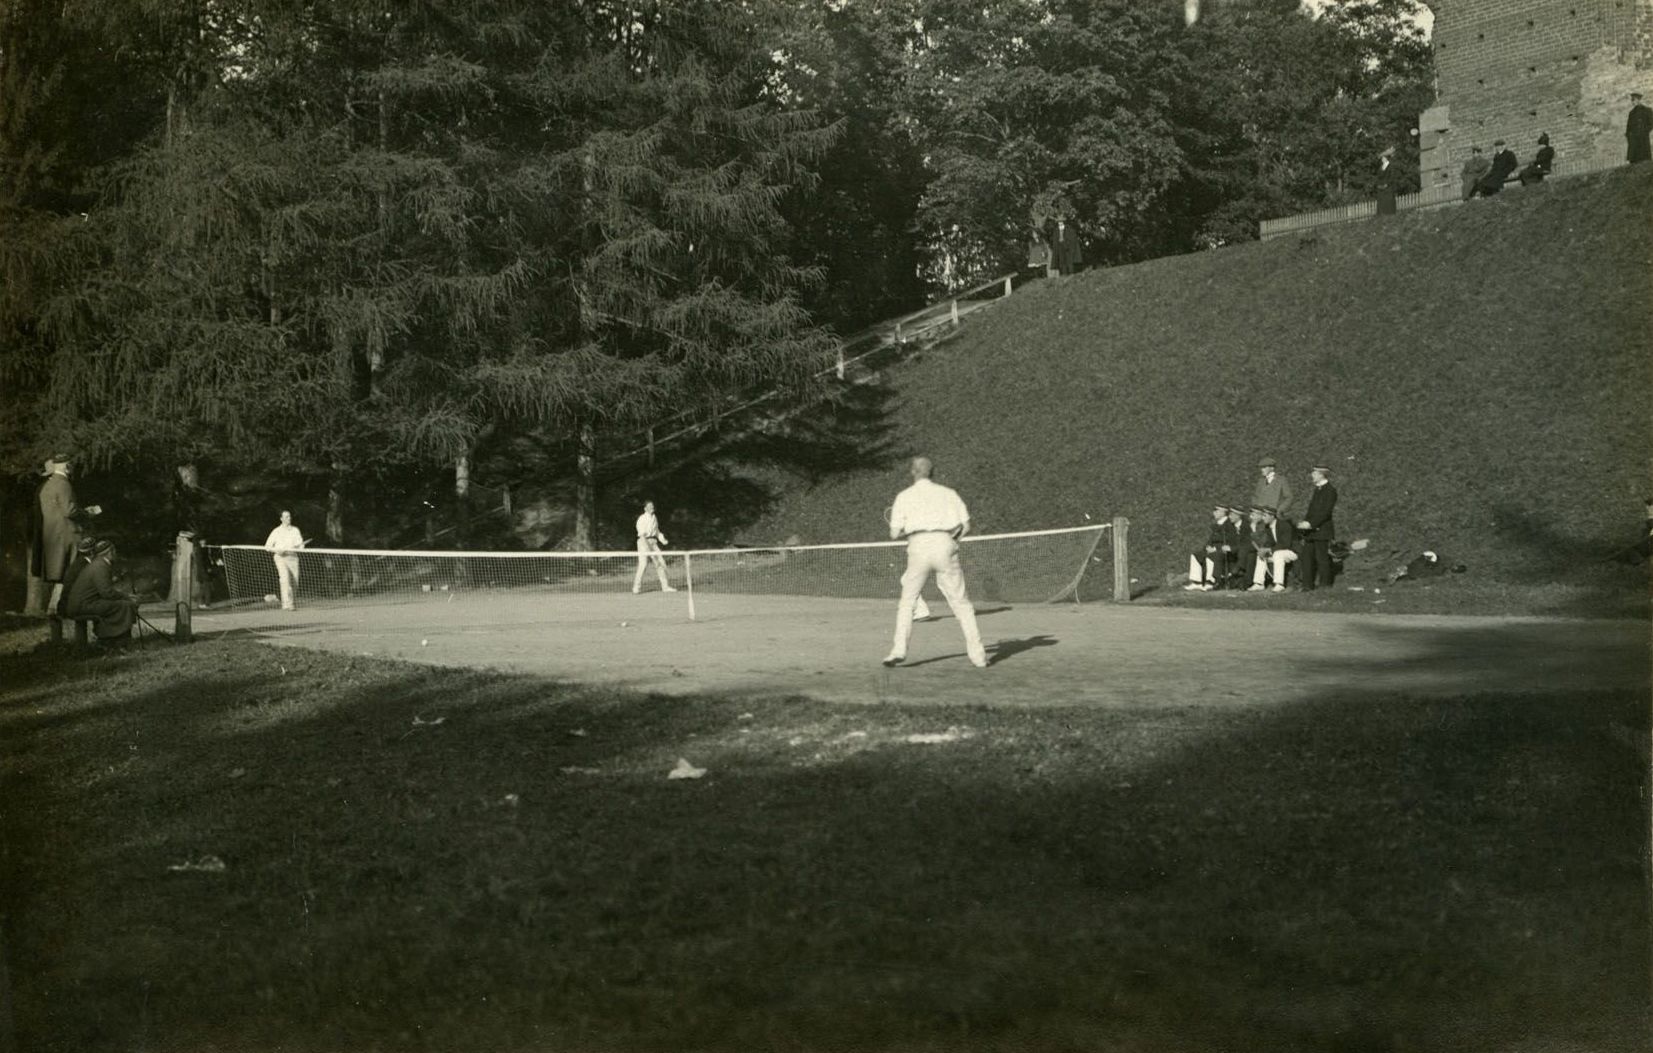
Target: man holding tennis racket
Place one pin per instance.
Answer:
(649, 540)
(284, 544)
(932, 518)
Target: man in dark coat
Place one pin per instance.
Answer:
(94, 595)
(1316, 531)
(1637, 128)
(58, 531)
(1504, 164)
(1541, 162)
(1276, 543)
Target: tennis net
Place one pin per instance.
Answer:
(1041, 566)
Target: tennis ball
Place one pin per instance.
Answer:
(424, 643)
(269, 597)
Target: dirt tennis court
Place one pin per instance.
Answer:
(1059, 654)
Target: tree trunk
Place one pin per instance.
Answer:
(585, 489)
(462, 500)
(335, 505)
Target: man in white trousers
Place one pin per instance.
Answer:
(649, 540)
(932, 518)
(284, 544)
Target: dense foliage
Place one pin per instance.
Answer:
(341, 241)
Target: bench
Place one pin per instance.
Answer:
(83, 626)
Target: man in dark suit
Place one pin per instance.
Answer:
(1637, 128)
(1504, 165)
(1317, 531)
(1205, 565)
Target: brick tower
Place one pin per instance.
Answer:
(1510, 69)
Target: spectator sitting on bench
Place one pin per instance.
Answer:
(1276, 549)
(1204, 563)
(1241, 555)
(77, 563)
(1475, 169)
(1504, 164)
(1541, 164)
(94, 596)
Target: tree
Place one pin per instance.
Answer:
(1041, 109)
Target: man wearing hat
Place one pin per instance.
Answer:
(1475, 169)
(1205, 565)
(1275, 542)
(1317, 531)
(1504, 164)
(1272, 490)
(94, 596)
(58, 531)
(1636, 131)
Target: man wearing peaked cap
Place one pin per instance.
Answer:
(1317, 531)
(1272, 489)
(1203, 562)
(1276, 550)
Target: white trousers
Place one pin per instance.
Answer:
(1206, 575)
(287, 578)
(648, 550)
(1277, 560)
(936, 553)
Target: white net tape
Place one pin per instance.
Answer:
(1031, 567)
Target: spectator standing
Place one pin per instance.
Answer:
(1388, 178)
(1474, 170)
(1504, 164)
(1318, 531)
(1637, 128)
(1541, 163)
(59, 531)
(1272, 490)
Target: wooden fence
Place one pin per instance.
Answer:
(1430, 197)
(858, 355)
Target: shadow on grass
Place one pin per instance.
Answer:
(1006, 649)
(434, 859)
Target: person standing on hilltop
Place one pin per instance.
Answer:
(1637, 128)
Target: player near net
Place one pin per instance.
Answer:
(649, 540)
(932, 518)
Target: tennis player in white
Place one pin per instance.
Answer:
(932, 518)
(284, 544)
(649, 540)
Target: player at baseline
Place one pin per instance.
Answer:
(932, 518)
(649, 540)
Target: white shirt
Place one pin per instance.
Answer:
(284, 539)
(648, 526)
(927, 505)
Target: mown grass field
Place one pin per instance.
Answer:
(428, 859)
(1479, 378)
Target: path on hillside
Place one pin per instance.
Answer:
(1042, 655)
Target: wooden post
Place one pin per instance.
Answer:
(688, 582)
(1121, 566)
(180, 625)
(840, 361)
(898, 340)
(1007, 285)
(955, 311)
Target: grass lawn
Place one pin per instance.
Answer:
(417, 858)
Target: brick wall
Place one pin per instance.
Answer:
(1510, 69)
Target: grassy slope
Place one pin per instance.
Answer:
(1478, 376)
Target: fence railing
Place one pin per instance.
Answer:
(860, 352)
(1430, 197)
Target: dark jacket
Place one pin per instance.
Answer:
(1319, 515)
(1284, 535)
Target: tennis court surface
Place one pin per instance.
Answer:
(1041, 654)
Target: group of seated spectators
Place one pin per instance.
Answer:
(1485, 177)
(1250, 547)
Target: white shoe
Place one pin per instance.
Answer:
(1207, 588)
(1255, 588)
(1192, 586)
(893, 659)
(635, 590)
(1279, 588)
(668, 588)
(979, 661)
